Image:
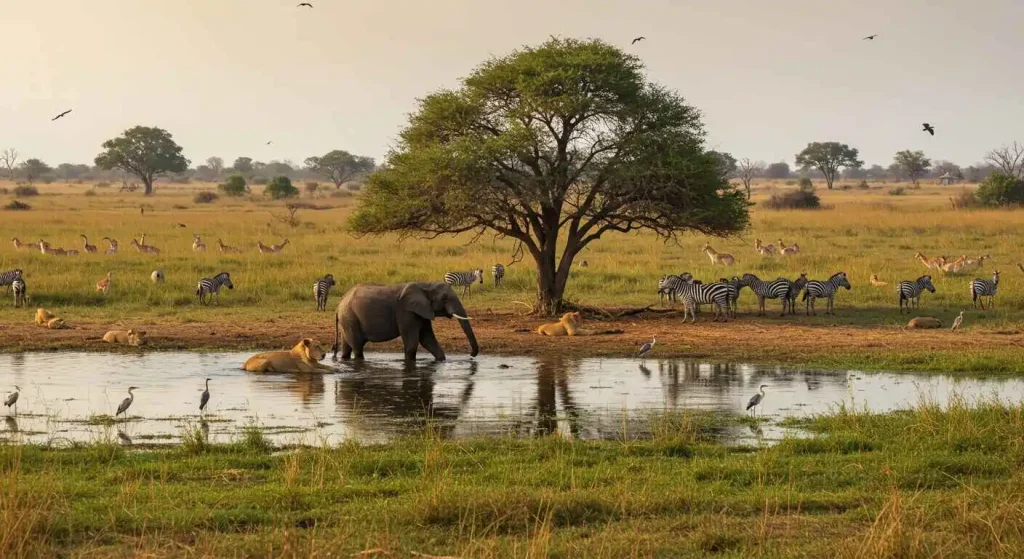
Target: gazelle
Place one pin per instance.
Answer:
(226, 249)
(975, 263)
(197, 244)
(18, 245)
(104, 284)
(277, 248)
(954, 267)
(45, 248)
(935, 263)
(144, 248)
(113, 246)
(264, 249)
(717, 257)
(91, 249)
(764, 250)
(788, 250)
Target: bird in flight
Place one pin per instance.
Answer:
(60, 115)
(637, 40)
(306, 4)
(869, 38)
(270, 142)
(928, 128)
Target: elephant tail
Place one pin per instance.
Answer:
(334, 348)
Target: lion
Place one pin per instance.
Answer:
(57, 324)
(130, 337)
(924, 323)
(567, 326)
(43, 317)
(303, 358)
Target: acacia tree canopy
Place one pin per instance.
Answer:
(563, 142)
(145, 152)
(828, 157)
(340, 166)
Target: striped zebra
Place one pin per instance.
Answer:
(694, 294)
(774, 289)
(498, 273)
(984, 288)
(321, 290)
(795, 287)
(734, 294)
(20, 291)
(816, 289)
(667, 288)
(465, 279)
(910, 291)
(7, 278)
(210, 287)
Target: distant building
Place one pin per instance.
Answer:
(948, 179)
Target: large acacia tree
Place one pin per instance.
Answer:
(828, 157)
(145, 152)
(554, 147)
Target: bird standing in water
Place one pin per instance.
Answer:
(12, 400)
(646, 348)
(126, 402)
(756, 399)
(206, 396)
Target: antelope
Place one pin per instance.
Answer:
(277, 248)
(788, 250)
(144, 248)
(717, 257)
(18, 245)
(954, 267)
(975, 263)
(85, 243)
(113, 246)
(935, 263)
(104, 284)
(71, 252)
(197, 244)
(764, 250)
(225, 249)
(44, 247)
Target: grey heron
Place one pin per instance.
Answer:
(756, 399)
(12, 400)
(206, 396)
(958, 320)
(127, 401)
(646, 348)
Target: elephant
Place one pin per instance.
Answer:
(381, 313)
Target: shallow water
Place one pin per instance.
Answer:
(64, 394)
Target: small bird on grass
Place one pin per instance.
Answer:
(637, 40)
(126, 402)
(61, 115)
(756, 399)
(958, 320)
(928, 128)
(12, 400)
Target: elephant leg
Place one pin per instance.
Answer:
(429, 341)
(411, 341)
(346, 350)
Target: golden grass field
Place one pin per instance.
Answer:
(865, 232)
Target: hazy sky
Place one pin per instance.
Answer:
(226, 76)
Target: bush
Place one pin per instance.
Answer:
(281, 187)
(806, 184)
(25, 191)
(897, 191)
(234, 186)
(965, 200)
(90, 192)
(802, 199)
(844, 186)
(863, 185)
(205, 197)
(340, 194)
(312, 188)
(17, 206)
(996, 190)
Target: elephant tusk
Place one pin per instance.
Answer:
(460, 317)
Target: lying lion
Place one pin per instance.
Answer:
(50, 320)
(924, 322)
(130, 337)
(567, 326)
(303, 358)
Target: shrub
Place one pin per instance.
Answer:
(897, 191)
(281, 187)
(806, 184)
(354, 186)
(996, 190)
(234, 186)
(17, 206)
(801, 199)
(863, 185)
(340, 194)
(844, 186)
(25, 191)
(965, 200)
(312, 188)
(90, 192)
(205, 197)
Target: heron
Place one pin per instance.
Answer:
(206, 396)
(756, 399)
(958, 320)
(127, 401)
(646, 348)
(928, 128)
(12, 400)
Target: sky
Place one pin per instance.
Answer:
(227, 76)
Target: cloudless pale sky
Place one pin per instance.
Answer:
(226, 76)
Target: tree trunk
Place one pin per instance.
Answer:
(149, 185)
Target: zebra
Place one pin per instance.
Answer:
(7, 278)
(825, 290)
(910, 291)
(498, 273)
(321, 290)
(465, 279)
(795, 287)
(210, 287)
(984, 288)
(734, 293)
(667, 288)
(20, 292)
(774, 289)
(694, 294)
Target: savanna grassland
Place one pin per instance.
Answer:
(863, 232)
(928, 482)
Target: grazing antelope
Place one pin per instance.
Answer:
(875, 282)
(717, 257)
(954, 267)
(277, 248)
(932, 263)
(764, 250)
(264, 249)
(44, 247)
(225, 249)
(970, 264)
(197, 244)
(143, 247)
(91, 249)
(104, 284)
(113, 246)
(18, 245)
(788, 250)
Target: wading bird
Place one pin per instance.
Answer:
(206, 396)
(12, 400)
(60, 115)
(958, 320)
(756, 399)
(126, 402)
(928, 128)
(646, 348)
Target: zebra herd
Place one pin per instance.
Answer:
(724, 293)
(465, 280)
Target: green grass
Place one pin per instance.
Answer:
(927, 482)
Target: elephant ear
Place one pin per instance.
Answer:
(415, 300)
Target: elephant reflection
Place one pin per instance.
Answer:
(308, 388)
(404, 399)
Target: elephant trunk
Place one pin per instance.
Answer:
(456, 310)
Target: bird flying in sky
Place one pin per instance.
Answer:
(928, 128)
(60, 115)
(870, 38)
(637, 39)
(306, 4)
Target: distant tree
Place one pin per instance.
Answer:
(854, 173)
(215, 164)
(258, 166)
(281, 187)
(913, 163)
(726, 163)
(940, 168)
(234, 186)
(747, 171)
(876, 172)
(979, 172)
(243, 165)
(33, 169)
(145, 152)
(828, 157)
(1000, 189)
(340, 166)
(552, 146)
(1008, 159)
(71, 171)
(278, 168)
(778, 170)
(9, 159)
(204, 173)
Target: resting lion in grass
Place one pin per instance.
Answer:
(49, 320)
(569, 325)
(924, 322)
(303, 358)
(130, 337)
